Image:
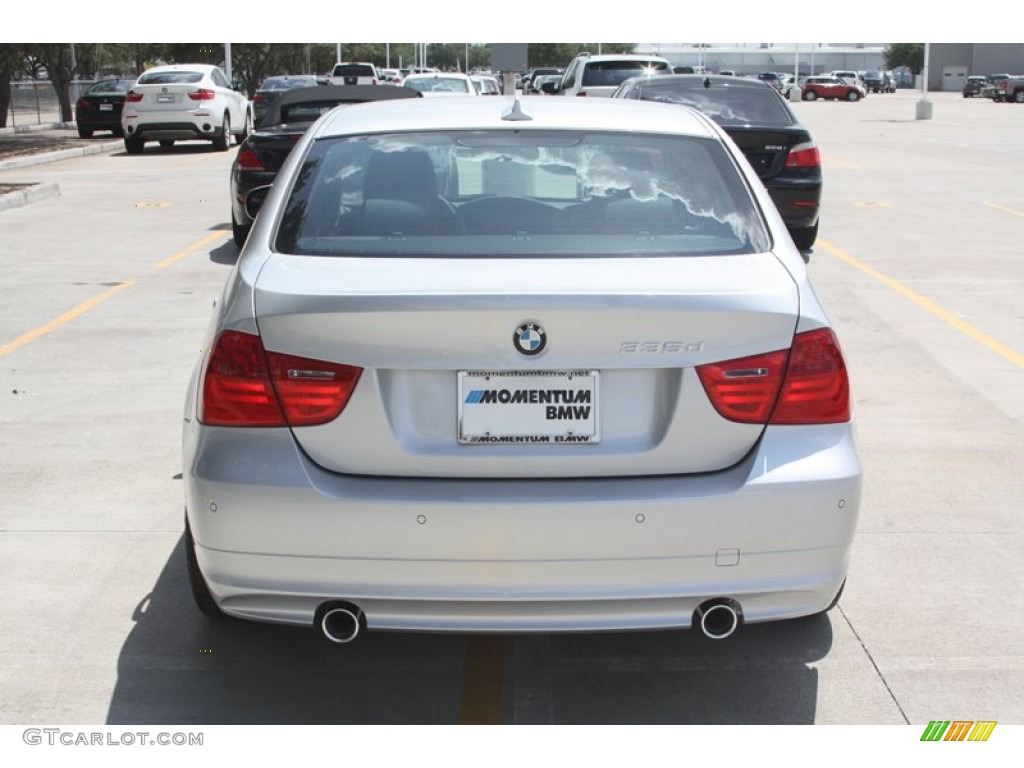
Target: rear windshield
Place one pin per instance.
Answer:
(110, 87)
(170, 78)
(437, 84)
(519, 193)
(597, 73)
(287, 83)
(306, 112)
(725, 104)
(353, 70)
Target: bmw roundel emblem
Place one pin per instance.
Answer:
(530, 339)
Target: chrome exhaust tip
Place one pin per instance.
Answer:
(718, 618)
(341, 622)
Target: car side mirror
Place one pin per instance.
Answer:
(254, 200)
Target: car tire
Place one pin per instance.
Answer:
(222, 141)
(239, 232)
(166, 143)
(804, 237)
(1018, 97)
(200, 590)
(853, 96)
(810, 96)
(133, 145)
(84, 133)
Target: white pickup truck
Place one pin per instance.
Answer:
(354, 73)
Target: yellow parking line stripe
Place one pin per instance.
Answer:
(85, 306)
(482, 680)
(841, 163)
(987, 341)
(67, 317)
(194, 247)
(1005, 210)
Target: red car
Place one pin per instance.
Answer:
(825, 87)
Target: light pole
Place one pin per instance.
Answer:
(924, 107)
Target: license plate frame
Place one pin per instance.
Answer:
(165, 98)
(514, 407)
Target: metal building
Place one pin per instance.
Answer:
(949, 64)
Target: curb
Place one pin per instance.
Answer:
(61, 154)
(32, 193)
(33, 128)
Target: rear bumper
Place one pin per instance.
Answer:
(797, 200)
(277, 537)
(206, 128)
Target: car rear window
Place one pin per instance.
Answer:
(598, 73)
(353, 70)
(306, 112)
(519, 193)
(726, 104)
(170, 78)
(287, 83)
(433, 84)
(110, 87)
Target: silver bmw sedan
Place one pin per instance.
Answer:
(485, 366)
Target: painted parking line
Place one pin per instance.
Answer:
(190, 249)
(827, 161)
(482, 680)
(986, 341)
(1011, 211)
(65, 318)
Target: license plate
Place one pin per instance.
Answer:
(106, 107)
(165, 98)
(523, 408)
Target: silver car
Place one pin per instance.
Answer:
(491, 366)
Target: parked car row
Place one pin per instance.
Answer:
(1003, 87)
(780, 150)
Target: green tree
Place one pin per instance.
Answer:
(56, 58)
(905, 55)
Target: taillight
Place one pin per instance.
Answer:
(816, 389)
(806, 384)
(245, 386)
(744, 389)
(83, 105)
(133, 96)
(248, 160)
(258, 99)
(202, 94)
(581, 93)
(804, 155)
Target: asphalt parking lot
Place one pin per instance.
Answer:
(107, 288)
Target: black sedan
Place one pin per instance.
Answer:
(99, 108)
(264, 151)
(761, 123)
(270, 91)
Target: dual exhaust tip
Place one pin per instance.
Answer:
(718, 618)
(342, 622)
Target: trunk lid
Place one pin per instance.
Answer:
(416, 325)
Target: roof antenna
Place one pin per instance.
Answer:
(515, 112)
